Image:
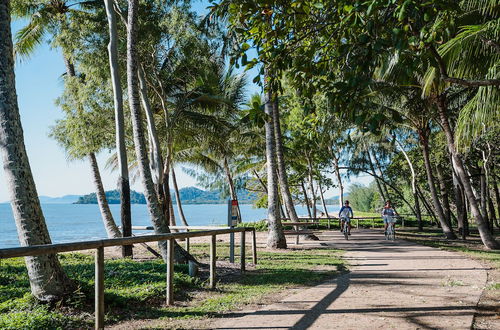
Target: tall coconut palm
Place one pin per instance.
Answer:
(48, 280)
(123, 179)
(281, 164)
(275, 237)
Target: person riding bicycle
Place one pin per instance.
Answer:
(388, 213)
(345, 215)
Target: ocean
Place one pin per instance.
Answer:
(82, 222)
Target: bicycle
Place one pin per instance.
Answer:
(346, 228)
(390, 233)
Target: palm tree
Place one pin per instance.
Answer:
(157, 217)
(123, 179)
(275, 237)
(281, 163)
(48, 280)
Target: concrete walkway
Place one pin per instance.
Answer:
(392, 285)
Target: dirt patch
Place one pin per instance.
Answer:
(488, 307)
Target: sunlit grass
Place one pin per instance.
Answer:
(136, 290)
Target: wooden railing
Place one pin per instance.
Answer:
(99, 246)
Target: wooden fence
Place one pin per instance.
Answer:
(99, 246)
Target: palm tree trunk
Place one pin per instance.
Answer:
(123, 180)
(424, 143)
(156, 158)
(379, 168)
(427, 206)
(372, 168)
(280, 160)
(275, 238)
(460, 205)
(260, 180)
(323, 200)
(311, 187)
(48, 280)
(444, 195)
(482, 226)
(107, 218)
(497, 193)
(418, 213)
(158, 219)
(178, 199)
(306, 199)
(339, 177)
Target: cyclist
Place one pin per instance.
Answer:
(388, 212)
(345, 215)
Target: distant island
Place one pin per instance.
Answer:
(189, 195)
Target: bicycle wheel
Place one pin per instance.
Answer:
(346, 232)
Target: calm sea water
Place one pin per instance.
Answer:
(79, 222)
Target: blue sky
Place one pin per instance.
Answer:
(38, 84)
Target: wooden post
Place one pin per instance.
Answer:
(357, 223)
(170, 272)
(296, 236)
(373, 223)
(242, 253)
(187, 241)
(99, 288)
(213, 259)
(254, 247)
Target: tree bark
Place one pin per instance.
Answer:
(424, 143)
(123, 179)
(306, 199)
(339, 178)
(311, 186)
(486, 236)
(379, 168)
(280, 159)
(48, 280)
(460, 205)
(427, 207)
(275, 238)
(372, 168)
(178, 199)
(484, 198)
(418, 213)
(323, 199)
(107, 218)
(444, 195)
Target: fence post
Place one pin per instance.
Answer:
(213, 258)
(170, 271)
(242, 247)
(373, 223)
(254, 247)
(99, 288)
(187, 241)
(357, 223)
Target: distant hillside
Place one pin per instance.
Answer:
(189, 195)
(334, 200)
(67, 199)
(113, 197)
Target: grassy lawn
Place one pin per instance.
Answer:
(136, 290)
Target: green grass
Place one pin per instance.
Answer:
(136, 290)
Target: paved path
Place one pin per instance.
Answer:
(392, 285)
